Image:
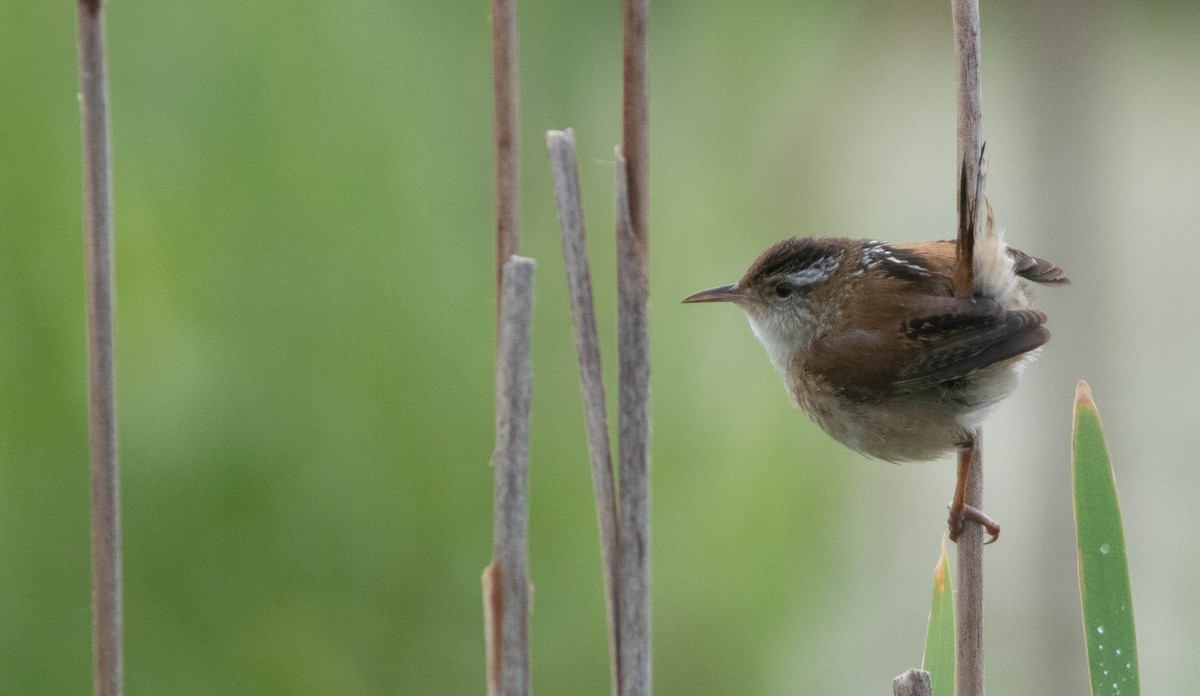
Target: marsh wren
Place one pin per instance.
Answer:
(875, 347)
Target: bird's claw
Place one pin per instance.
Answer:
(972, 514)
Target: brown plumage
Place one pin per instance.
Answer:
(874, 346)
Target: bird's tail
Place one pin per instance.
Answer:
(995, 277)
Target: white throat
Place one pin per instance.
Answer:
(782, 336)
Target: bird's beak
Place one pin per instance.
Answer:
(725, 293)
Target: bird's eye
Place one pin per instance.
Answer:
(784, 289)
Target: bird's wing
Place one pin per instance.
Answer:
(949, 338)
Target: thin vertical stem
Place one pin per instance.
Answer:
(970, 95)
(965, 14)
(565, 171)
(506, 117)
(635, 116)
(107, 619)
(634, 446)
(633, 291)
(506, 580)
(969, 602)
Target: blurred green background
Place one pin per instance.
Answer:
(305, 308)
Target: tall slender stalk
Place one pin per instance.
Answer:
(633, 425)
(506, 117)
(635, 116)
(969, 603)
(565, 171)
(506, 581)
(633, 291)
(107, 619)
(968, 617)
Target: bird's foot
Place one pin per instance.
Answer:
(970, 513)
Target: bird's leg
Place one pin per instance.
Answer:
(960, 512)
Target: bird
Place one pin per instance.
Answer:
(874, 344)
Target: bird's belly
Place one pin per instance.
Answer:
(917, 426)
(896, 434)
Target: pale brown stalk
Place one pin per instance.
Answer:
(506, 580)
(565, 171)
(506, 119)
(633, 292)
(969, 599)
(107, 618)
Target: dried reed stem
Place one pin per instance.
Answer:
(565, 171)
(506, 580)
(914, 682)
(107, 619)
(970, 110)
(635, 115)
(969, 602)
(506, 118)
(633, 235)
(634, 426)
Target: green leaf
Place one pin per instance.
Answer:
(1103, 569)
(939, 639)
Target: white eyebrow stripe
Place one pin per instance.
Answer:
(816, 272)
